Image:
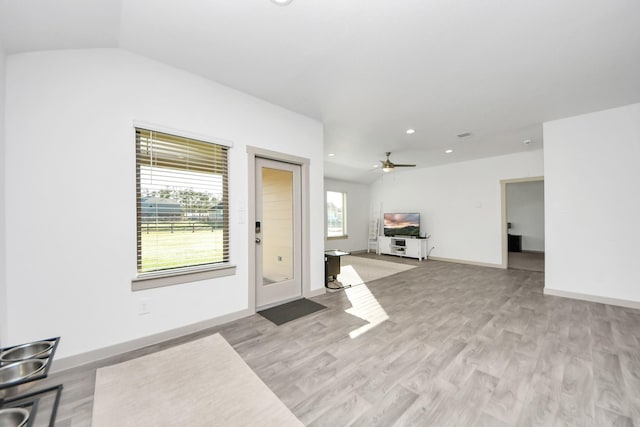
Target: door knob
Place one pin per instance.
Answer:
(258, 240)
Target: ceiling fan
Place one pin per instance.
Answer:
(388, 165)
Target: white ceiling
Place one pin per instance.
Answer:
(370, 69)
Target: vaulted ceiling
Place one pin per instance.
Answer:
(371, 69)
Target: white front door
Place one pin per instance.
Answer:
(278, 232)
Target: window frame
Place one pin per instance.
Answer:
(184, 274)
(344, 234)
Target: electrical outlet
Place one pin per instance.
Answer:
(279, 258)
(144, 306)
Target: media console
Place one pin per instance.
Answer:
(403, 246)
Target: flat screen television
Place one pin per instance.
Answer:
(402, 224)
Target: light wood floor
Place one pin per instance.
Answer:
(462, 346)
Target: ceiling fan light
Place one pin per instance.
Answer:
(387, 169)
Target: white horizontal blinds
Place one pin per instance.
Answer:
(182, 202)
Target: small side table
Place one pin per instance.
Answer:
(332, 264)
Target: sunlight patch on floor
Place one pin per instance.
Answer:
(349, 276)
(364, 303)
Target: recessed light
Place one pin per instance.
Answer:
(282, 2)
(410, 131)
(331, 154)
(449, 151)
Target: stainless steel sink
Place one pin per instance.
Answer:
(15, 372)
(13, 417)
(26, 351)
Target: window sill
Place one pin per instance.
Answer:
(179, 276)
(338, 237)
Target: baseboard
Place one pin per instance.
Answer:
(101, 354)
(462, 261)
(593, 298)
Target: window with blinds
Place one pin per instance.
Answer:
(182, 203)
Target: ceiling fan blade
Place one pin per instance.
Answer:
(387, 165)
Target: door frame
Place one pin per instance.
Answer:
(503, 201)
(252, 154)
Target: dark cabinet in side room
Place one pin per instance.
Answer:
(515, 243)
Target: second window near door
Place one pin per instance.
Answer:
(336, 215)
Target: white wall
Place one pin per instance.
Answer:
(592, 203)
(459, 203)
(70, 198)
(357, 215)
(525, 212)
(3, 270)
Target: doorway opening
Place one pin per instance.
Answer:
(523, 224)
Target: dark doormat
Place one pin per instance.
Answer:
(291, 311)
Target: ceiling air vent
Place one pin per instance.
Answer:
(463, 134)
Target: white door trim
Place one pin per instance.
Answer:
(252, 153)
